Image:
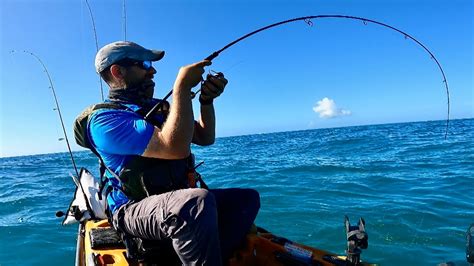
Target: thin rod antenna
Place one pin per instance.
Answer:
(96, 46)
(124, 21)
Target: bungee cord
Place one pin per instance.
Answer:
(308, 20)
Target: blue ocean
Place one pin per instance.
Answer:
(413, 187)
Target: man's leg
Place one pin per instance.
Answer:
(237, 209)
(187, 216)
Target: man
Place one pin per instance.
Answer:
(151, 163)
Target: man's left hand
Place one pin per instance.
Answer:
(211, 88)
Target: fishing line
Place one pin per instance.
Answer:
(59, 133)
(96, 45)
(309, 22)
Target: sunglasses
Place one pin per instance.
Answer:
(145, 65)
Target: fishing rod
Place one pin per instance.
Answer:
(308, 20)
(96, 45)
(58, 109)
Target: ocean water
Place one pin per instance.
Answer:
(414, 189)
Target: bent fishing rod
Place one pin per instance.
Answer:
(58, 109)
(308, 20)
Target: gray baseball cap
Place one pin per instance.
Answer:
(116, 51)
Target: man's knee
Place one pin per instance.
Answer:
(199, 207)
(254, 196)
(252, 199)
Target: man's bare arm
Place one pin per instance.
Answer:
(205, 128)
(173, 140)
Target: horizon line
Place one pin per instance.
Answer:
(261, 133)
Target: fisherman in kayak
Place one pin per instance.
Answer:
(150, 179)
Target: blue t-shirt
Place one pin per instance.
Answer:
(117, 135)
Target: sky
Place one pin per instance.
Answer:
(335, 73)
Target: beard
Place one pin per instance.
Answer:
(139, 93)
(144, 89)
(148, 88)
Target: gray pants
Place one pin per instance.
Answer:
(189, 217)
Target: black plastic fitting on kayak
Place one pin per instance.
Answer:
(470, 244)
(357, 239)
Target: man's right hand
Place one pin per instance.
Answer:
(189, 76)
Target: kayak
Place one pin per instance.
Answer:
(99, 244)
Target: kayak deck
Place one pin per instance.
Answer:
(260, 248)
(104, 256)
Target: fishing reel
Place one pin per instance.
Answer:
(211, 73)
(357, 239)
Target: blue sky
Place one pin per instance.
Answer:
(335, 73)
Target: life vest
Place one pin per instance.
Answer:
(141, 176)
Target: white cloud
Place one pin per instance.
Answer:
(327, 109)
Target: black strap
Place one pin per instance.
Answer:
(102, 179)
